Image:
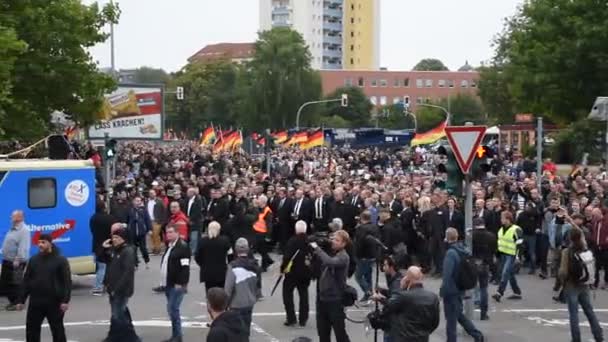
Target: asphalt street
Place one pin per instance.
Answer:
(534, 318)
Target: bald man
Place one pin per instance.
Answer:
(413, 311)
(15, 253)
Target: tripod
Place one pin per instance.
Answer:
(379, 260)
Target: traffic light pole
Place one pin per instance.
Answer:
(468, 227)
(106, 165)
(308, 104)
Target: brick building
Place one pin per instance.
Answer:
(388, 87)
(234, 52)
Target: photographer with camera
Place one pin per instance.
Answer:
(331, 288)
(393, 280)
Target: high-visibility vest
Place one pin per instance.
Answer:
(506, 241)
(260, 225)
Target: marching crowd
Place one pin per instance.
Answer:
(330, 214)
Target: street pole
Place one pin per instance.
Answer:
(112, 56)
(267, 150)
(539, 151)
(310, 103)
(468, 228)
(106, 137)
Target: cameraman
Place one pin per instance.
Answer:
(413, 312)
(331, 285)
(393, 280)
(366, 250)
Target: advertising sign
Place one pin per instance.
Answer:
(131, 112)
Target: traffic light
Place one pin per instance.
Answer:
(110, 149)
(482, 163)
(344, 100)
(179, 93)
(449, 166)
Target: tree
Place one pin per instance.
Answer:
(358, 110)
(554, 55)
(393, 117)
(148, 75)
(464, 107)
(430, 64)
(10, 49)
(280, 79)
(428, 118)
(494, 94)
(56, 72)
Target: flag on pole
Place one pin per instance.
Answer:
(297, 138)
(430, 136)
(315, 138)
(280, 137)
(208, 136)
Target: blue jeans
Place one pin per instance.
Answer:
(245, 314)
(121, 324)
(508, 275)
(484, 278)
(194, 236)
(174, 301)
(530, 241)
(363, 275)
(574, 297)
(452, 306)
(100, 272)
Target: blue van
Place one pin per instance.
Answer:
(57, 197)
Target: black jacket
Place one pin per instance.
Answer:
(196, 214)
(120, 273)
(485, 245)
(413, 313)
(120, 210)
(218, 210)
(47, 278)
(212, 256)
(228, 327)
(527, 221)
(178, 264)
(391, 234)
(457, 221)
(366, 247)
(301, 266)
(100, 225)
(305, 213)
(346, 212)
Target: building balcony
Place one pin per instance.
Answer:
(337, 40)
(332, 26)
(281, 10)
(281, 23)
(332, 53)
(332, 66)
(333, 2)
(332, 12)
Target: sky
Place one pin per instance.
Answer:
(164, 33)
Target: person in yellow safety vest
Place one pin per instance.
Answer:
(510, 239)
(262, 228)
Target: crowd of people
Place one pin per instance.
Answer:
(335, 213)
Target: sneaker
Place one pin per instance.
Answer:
(302, 324)
(97, 292)
(497, 297)
(514, 297)
(542, 275)
(289, 323)
(159, 289)
(484, 317)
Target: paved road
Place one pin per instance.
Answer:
(535, 318)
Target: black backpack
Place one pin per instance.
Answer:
(467, 273)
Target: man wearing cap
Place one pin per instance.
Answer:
(119, 282)
(47, 282)
(242, 282)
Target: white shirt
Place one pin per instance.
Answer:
(319, 208)
(296, 209)
(163, 264)
(151, 204)
(190, 202)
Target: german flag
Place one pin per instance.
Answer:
(208, 136)
(315, 138)
(230, 140)
(430, 136)
(297, 138)
(238, 141)
(280, 137)
(259, 139)
(220, 143)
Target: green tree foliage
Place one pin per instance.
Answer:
(428, 118)
(10, 49)
(358, 110)
(335, 121)
(554, 54)
(583, 136)
(148, 75)
(393, 117)
(494, 94)
(430, 64)
(56, 71)
(464, 107)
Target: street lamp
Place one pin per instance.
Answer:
(343, 102)
(448, 116)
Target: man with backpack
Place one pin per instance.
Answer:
(457, 277)
(577, 272)
(509, 244)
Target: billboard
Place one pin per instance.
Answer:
(131, 112)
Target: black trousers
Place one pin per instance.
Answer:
(37, 311)
(8, 281)
(262, 247)
(330, 315)
(211, 284)
(601, 262)
(289, 285)
(140, 243)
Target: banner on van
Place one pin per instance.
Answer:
(131, 112)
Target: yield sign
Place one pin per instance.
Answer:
(465, 141)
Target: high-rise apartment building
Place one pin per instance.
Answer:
(337, 32)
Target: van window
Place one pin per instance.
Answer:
(41, 193)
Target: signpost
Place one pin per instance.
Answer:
(465, 142)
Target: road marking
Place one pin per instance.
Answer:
(545, 310)
(263, 332)
(148, 323)
(560, 322)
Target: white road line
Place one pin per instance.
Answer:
(261, 331)
(545, 310)
(559, 322)
(149, 323)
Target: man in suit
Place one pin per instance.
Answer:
(482, 213)
(195, 216)
(356, 200)
(343, 210)
(302, 210)
(320, 212)
(392, 204)
(218, 208)
(455, 218)
(284, 206)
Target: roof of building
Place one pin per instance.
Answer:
(224, 50)
(466, 67)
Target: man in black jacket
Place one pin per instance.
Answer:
(227, 325)
(175, 271)
(413, 312)
(297, 275)
(194, 212)
(119, 282)
(100, 225)
(366, 251)
(484, 249)
(48, 284)
(218, 208)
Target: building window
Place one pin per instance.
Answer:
(42, 193)
(383, 100)
(352, 48)
(396, 100)
(352, 20)
(464, 84)
(361, 82)
(419, 83)
(419, 100)
(441, 83)
(374, 82)
(428, 83)
(352, 7)
(406, 82)
(348, 82)
(373, 100)
(396, 83)
(406, 100)
(352, 61)
(383, 83)
(352, 34)
(473, 84)
(451, 83)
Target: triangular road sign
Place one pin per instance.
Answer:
(464, 141)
